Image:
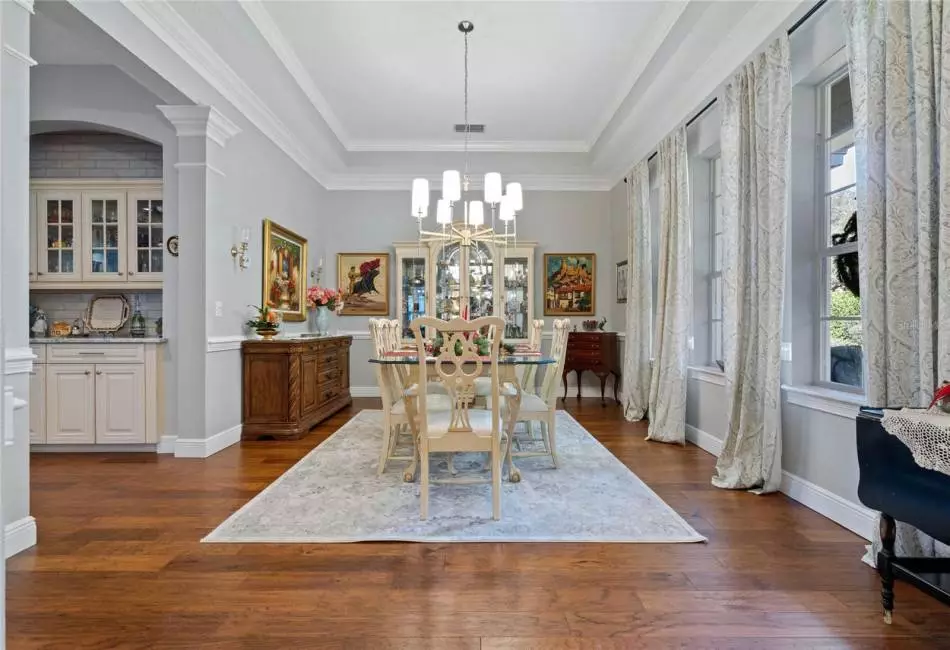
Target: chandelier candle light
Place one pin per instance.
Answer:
(472, 228)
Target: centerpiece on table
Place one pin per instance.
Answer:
(322, 301)
(266, 323)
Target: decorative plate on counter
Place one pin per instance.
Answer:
(107, 314)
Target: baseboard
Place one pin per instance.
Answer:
(853, 516)
(364, 391)
(204, 447)
(19, 536)
(705, 441)
(166, 445)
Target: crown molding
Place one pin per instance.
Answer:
(498, 146)
(264, 23)
(19, 56)
(172, 29)
(200, 121)
(25, 4)
(529, 182)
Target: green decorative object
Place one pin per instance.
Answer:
(137, 327)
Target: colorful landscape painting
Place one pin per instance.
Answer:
(364, 281)
(569, 281)
(285, 272)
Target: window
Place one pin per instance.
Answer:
(715, 275)
(841, 340)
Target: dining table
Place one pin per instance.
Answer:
(508, 365)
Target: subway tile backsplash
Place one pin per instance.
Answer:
(69, 306)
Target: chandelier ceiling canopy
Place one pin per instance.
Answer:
(471, 227)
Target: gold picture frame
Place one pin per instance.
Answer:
(284, 271)
(570, 284)
(364, 281)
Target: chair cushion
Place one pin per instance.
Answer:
(483, 387)
(438, 423)
(432, 388)
(433, 403)
(530, 403)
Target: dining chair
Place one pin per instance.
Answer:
(542, 407)
(462, 428)
(533, 345)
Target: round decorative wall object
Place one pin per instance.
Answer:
(172, 245)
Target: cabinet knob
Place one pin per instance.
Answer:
(120, 273)
(87, 372)
(98, 372)
(131, 272)
(39, 273)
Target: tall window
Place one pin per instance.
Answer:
(715, 276)
(841, 340)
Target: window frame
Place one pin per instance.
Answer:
(714, 278)
(825, 251)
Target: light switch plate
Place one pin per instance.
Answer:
(786, 351)
(692, 343)
(218, 308)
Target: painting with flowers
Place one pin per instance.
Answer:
(364, 280)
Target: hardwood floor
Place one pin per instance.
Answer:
(119, 565)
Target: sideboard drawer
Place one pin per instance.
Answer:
(95, 353)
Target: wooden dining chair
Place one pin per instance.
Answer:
(534, 345)
(462, 428)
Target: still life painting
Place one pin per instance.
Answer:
(285, 272)
(569, 281)
(364, 280)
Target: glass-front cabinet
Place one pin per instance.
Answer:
(479, 280)
(101, 234)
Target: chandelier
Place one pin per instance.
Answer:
(472, 228)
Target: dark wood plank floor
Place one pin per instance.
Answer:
(119, 566)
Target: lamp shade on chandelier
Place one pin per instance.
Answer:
(455, 187)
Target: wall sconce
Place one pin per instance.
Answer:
(240, 251)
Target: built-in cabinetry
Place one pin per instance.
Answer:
(432, 279)
(96, 393)
(96, 235)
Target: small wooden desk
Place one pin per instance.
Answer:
(597, 352)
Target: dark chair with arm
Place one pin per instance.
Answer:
(892, 483)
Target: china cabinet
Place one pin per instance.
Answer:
(481, 279)
(96, 234)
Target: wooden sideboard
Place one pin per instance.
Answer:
(597, 352)
(290, 385)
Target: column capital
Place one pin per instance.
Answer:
(200, 121)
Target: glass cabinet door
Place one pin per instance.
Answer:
(58, 237)
(146, 236)
(481, 281)
(413, 277)
(105, 235)
(516, 297)
(448, 282)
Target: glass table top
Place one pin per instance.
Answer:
(510, 359)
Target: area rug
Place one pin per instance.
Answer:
(334, 495)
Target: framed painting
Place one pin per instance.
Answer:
(569, 284)
(622, 278)
(364, 280)
(285, 272)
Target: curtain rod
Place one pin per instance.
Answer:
(801, 21)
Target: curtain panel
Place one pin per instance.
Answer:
(639, 311)
(755, 139)
(899, 56)
(674, 296)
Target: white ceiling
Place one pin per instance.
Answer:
(544, 76)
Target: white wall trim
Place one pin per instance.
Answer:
(200, 121)
(488, 146)
(225, 343)
(18, 55)
(827, 400)
(204, 447)
(358, 335)
(704, 440)
(166, 445)
(529, 182)
(709, 375)
(364, 391)
(18, 361)
(26, 4)
(853, 516)
(19, 535)
(199, 165)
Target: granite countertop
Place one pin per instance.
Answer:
(97, 339)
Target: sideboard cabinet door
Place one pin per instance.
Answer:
(120, 402)
(70, 404)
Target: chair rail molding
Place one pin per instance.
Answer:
(18, 361)
(225, 343)
(826, 400)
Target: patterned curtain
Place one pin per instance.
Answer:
(756, 124)
(636, 358)
(674, 296)
(899, 55)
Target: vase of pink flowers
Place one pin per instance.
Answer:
(321, 302)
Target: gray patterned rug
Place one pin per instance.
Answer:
(334, 495)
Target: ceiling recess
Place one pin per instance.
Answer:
(472, 128)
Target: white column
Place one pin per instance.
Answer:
(202, 135)
(15, 62)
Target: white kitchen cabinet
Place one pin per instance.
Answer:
(96, 234)
(38, 404)
(120, 403)
(70, 404)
